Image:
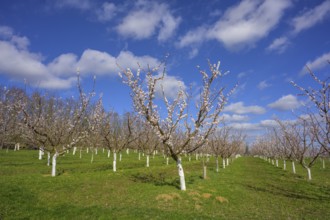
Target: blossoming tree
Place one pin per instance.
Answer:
(211, 103)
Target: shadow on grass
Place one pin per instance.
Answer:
(156, 179)
(278, 191)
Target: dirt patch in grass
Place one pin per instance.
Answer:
(194, 193)
(168, 197)
(221, 199)
(206, 195)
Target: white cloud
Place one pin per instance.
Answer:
(76, 4)
(245, 126)
(168, 26)
(279, 45)
(311, 17)
(239, 108)
(193, 37)
(171, 85)
(319, 63)
(241, 25)
(234, 118)
(263, 85)
(107, 12)
(6, 32)
(286, 103)
(269, 123)
(193, 53)
(63, 65)
(147, 17)
(18, 63)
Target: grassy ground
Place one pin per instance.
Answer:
(249, 188)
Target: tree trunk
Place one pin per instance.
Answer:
(167, 159)
(284, 165)
(276, 162)
(217, 164)
(48, 158)
(80, 153)
(54, 164)
(204, 171)
(293, 167)
(139, 155)
(309, 173)
(120, 156)
(196, 156)
(109, 152)
(74, 150)
(181, 175)
(92, 158)
(114, 161)
(148, 160)
(323, 164)
(223, 163)
(227, 162)
(127, 151)
(40, 153)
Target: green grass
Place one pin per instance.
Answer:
(249, 188)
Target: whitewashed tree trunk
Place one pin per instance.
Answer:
(80, 155)
(147, 160)
(48, 158)
(223, 163)
(87, 150)
(323, 164)
(139, 155)
(109, 152)
(181, 175)
(284, 165)
(217, 164)
(196, 156)
(276, 162)
(293, 167)
(40, 154)
(189, 158)
(227, 160)
(309, 173)
(272, 162)
(127, 151)
(120, 156)
(102, 150)
(204, 172)
(95, 151)
(92, 158)
(54, 164)
(114, 161)
(167, 159)
(74, 150)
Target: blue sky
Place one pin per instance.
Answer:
(264, 45)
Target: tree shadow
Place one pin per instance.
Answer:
(158, 179)
(276, 190)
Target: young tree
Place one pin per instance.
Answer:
(57, 124)
(301, 139)
(319, 113)
(211, 103)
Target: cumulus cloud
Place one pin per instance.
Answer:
(234, 118)
(106, 12)
(279, 45)
(316, 64)
(286, 103)
(240, 108)
(263, 85)
(147, 18)
(311, 17)
(18, 63)
(241, 25)
(170, 85)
